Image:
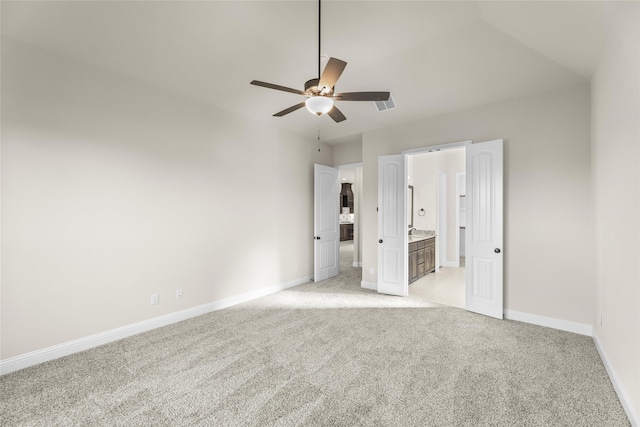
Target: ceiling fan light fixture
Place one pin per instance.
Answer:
(319, 91)
(319, 105)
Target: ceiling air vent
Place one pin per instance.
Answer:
(389, 104)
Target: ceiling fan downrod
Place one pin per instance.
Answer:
(319, 34)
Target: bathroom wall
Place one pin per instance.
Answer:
(423, 175)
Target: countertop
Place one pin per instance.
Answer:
(418, 237)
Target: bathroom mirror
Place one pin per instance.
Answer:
(410, 206)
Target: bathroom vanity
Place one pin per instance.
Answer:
(422, 256)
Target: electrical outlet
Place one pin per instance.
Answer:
(155, 299)
(178, 293)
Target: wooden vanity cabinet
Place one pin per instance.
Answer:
(430, 255)
(413, 262)
(346, 232)
(422, 258)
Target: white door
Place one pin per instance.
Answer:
(392, 226)
(483, 246)
(326, 229)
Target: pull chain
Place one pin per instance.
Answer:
(318, 134)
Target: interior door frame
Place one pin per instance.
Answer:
(432, 149)
(462, 144)
(459, 190)
(356, 211)
(442, 238)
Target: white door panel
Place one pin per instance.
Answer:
(484, 233)
(326, 247)
(392, 226)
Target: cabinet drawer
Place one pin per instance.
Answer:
(431, 241)
(421, 244)
(413, 247)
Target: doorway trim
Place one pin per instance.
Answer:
(440, 147)
(432, 149)
(357, 206)
(442, 234)
(460, 216)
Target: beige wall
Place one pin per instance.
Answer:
(548, 224)
(113, 190)
(347, 153)
(616, 184)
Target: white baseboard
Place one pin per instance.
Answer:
(22, 361)
(549, 322)
(369, 285)
(624, 398)
(582, 329)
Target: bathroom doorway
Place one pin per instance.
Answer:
(350, 178)
(484, 293)
(436, 225)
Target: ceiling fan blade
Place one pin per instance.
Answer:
(336, 115)
(331, 73)
(289, 110)
(362, 96)
(277, 87)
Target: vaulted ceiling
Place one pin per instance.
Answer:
(435, 57)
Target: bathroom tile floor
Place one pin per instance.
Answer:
(444, 287)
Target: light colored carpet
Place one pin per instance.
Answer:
(324, 354)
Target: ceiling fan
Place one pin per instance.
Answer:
(320, 91)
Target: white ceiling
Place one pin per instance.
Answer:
(435, 57)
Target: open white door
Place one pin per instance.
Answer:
(483, 246)
(326, 223)
(392, 226)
